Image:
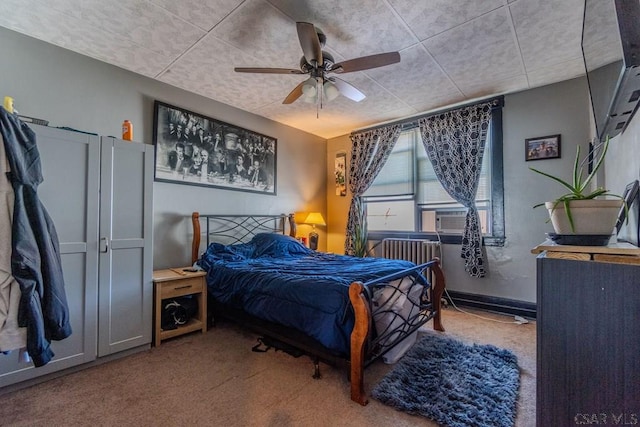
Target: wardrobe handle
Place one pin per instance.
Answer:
(104, 245)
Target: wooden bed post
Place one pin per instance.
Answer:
(437, 290)
(195, 244)
(358, 338)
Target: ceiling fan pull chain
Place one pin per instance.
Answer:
(319, 95)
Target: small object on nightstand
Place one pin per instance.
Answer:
(314, 218)
(171, 284)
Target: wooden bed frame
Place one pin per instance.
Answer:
(362, 351)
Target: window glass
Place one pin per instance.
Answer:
(396, 215)
(407, 196)
(396, 176)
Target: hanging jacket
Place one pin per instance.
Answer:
(12, 337)
(35, 257)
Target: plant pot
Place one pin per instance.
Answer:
(590, 217)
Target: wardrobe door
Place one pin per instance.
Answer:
(70, 165)
(126, 250)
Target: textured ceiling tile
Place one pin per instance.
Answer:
(352, 28)
(436, 102)
(480, 50)
(428, 18)
(143, 23)
(202, 13)
(495, 87)
(417, 79)
(67, 7)
(326, 122)
(377, 100)
(476, 51)
(556, 72)
(74, 34)
(385, 116)
(342, 112)
(316, 12)
(202, 71)
(549, 31)
(260, 30)
(330, 123)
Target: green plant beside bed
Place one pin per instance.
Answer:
(361, 234)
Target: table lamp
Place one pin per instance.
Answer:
(314, 218)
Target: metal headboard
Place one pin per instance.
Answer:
(231, 229)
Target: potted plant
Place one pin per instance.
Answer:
(361, 235)
(579, 211)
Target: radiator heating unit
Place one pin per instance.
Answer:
(418, 251)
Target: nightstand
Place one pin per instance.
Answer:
(177, 282)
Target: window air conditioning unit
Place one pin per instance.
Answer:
(451, 222)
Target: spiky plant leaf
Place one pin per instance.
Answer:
(576, 191)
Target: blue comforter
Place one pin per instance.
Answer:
(276, 278)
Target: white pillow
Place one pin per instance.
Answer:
(391, 297)
(395, 303)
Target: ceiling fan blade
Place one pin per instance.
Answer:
(268, 70)
(348, 90)
(294, 94)
(366, 62)
(310, 43)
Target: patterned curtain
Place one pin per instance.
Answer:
(454, 142)
(369, 152)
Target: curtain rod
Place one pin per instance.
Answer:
(498, 101)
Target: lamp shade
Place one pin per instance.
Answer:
(330, 91)
(310, 90)
(314, 218)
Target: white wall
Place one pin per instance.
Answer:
(622, 166)
(71, 90)
(561, 108)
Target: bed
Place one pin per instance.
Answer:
(341, 310)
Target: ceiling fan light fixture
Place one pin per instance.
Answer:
(312, 99)
(309, 87)
(317, 63)
(331, 92)
(310, 90)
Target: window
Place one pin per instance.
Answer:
(407, 200)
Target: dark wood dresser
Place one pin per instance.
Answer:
(588, 332)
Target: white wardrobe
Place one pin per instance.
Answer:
(99, 193)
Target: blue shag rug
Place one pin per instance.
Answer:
(454, 384)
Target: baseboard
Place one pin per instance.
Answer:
(511, 307)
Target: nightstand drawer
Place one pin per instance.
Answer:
(182, 287)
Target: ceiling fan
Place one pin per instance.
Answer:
(320, 65)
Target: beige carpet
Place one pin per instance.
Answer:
(214, 379)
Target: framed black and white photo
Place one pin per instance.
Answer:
(194, 149)
(542, 147)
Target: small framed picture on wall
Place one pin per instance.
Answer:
(542, 147)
